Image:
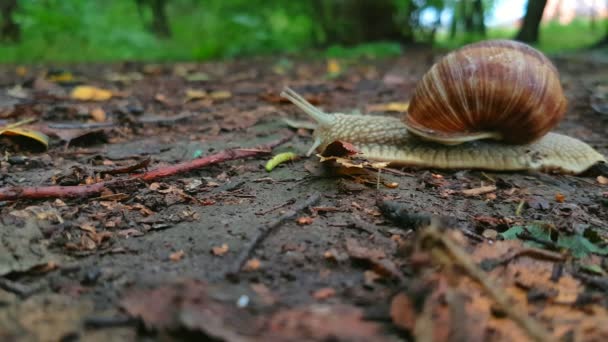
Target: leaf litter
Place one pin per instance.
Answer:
(513, 256)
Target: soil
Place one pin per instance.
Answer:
(100, 267)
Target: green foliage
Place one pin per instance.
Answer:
(369, 50)
(110, 30)
(579, 245)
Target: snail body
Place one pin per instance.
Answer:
(494, 111)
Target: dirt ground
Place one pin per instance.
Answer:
(151, 260)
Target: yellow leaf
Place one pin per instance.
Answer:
(389, 107)
(98, 114)
(21, 71)
(194, 94)
(89, 93)
(61, 77)
(28, 133)
(220, 95)
(333, 67)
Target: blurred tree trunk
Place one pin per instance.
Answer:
(352, 22)
(9, 29)
(468, 16)
(529, 29)
(160, 22)
(478, 18)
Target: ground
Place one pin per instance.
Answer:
(156, 260)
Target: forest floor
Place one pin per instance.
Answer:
(474, 255)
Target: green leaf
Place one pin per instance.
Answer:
(578, 245)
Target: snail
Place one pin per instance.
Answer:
(488, 105)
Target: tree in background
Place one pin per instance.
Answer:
(9, 29)
(529, 29)
(160, 23)
(468, 17)
(350, 22)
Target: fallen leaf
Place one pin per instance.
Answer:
(27, 133)
(252, 265)
(187, 305)
(220, 95)
(304, 220)
(333, 67)
(195, 94)
(177, 256)
(402, 312)
(98, 114)
(90, 93)
(602, 180)
(220, 250)
(324, 293)
(323, 323)
(560, 198)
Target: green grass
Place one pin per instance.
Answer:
(112, 30)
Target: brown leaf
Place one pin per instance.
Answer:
(220, 250)
(304, 220)
(324, 293)
(323, 323)
(339, 149)
(186, 305)
(252, 265)
(402, 312)
(177, 256)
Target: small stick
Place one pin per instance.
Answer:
(23, 291)
(265, 232)
(74, 191)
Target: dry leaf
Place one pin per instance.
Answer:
(28, 133)
(220, 250)
(324, 293)
(194, 94)
(304, 220)
(252, 265)
(220, 95)
(177, 256)
(602, 180)
(333, 67)
(560, 198)
(90, 93)
(98, 114)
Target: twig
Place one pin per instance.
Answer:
(95, 322)
(264, 232)
(23, 291)
(279, 206)
(57, 191)
(460, 257)
(598, 282)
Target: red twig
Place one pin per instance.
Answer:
(58, 191)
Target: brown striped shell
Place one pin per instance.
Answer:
(496, 89)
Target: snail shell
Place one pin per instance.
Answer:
(497, 89)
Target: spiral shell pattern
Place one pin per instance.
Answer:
(497, 89)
